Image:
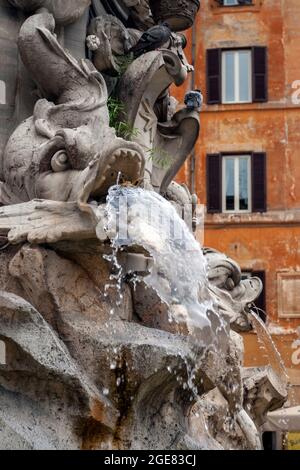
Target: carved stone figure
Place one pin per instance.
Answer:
(180, 14)
(67, 145)
(108, 39)
(97, 357)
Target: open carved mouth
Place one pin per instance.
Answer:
(58, 164)
(123, 164)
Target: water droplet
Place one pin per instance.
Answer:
(118, 381)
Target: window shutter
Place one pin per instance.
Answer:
(259, 203)
(260, 302)
(214, 183)
(260, 74)
(213, 76)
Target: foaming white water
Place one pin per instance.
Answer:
(141, 218)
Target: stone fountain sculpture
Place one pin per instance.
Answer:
(90, 357)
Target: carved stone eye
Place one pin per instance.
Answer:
(60, 161)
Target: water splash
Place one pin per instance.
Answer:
(141, 218)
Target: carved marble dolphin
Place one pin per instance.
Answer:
(66, 151)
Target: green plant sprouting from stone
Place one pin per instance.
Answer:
(124, 62)
(160, 157)
(123, 129)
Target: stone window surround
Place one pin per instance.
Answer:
(284, 277)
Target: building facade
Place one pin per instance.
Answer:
(246, 167)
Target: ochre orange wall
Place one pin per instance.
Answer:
(268, 242)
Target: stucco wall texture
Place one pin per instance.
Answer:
(269, 241)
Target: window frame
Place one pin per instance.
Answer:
(236, 158)
(214, 183)
(259, 75)
(236, 52)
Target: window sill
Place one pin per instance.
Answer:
(226, 103)
(238, 213)
(277, 218)
(263, 106)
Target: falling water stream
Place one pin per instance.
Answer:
(265, 339)
(144, 221)
(140, 218)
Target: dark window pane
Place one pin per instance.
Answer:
(214, 183)
(259, 182)
(213, 88)
(213, 65)
(260, 74)
(229, 183)
(213, 71)
(243, 183)
(269, 440)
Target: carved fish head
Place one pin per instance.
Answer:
(46, 160)
(234, 293)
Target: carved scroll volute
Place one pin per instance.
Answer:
(176, 139)
(140, 87)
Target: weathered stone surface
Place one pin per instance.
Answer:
(60, 287)
(93, 359)
(64, 11)
(263, 392)
(220, 425)
(74, 159)
(42, 377)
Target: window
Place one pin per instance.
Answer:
(236, 183)
(2, 92)
(236, 172)
(237, 75)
